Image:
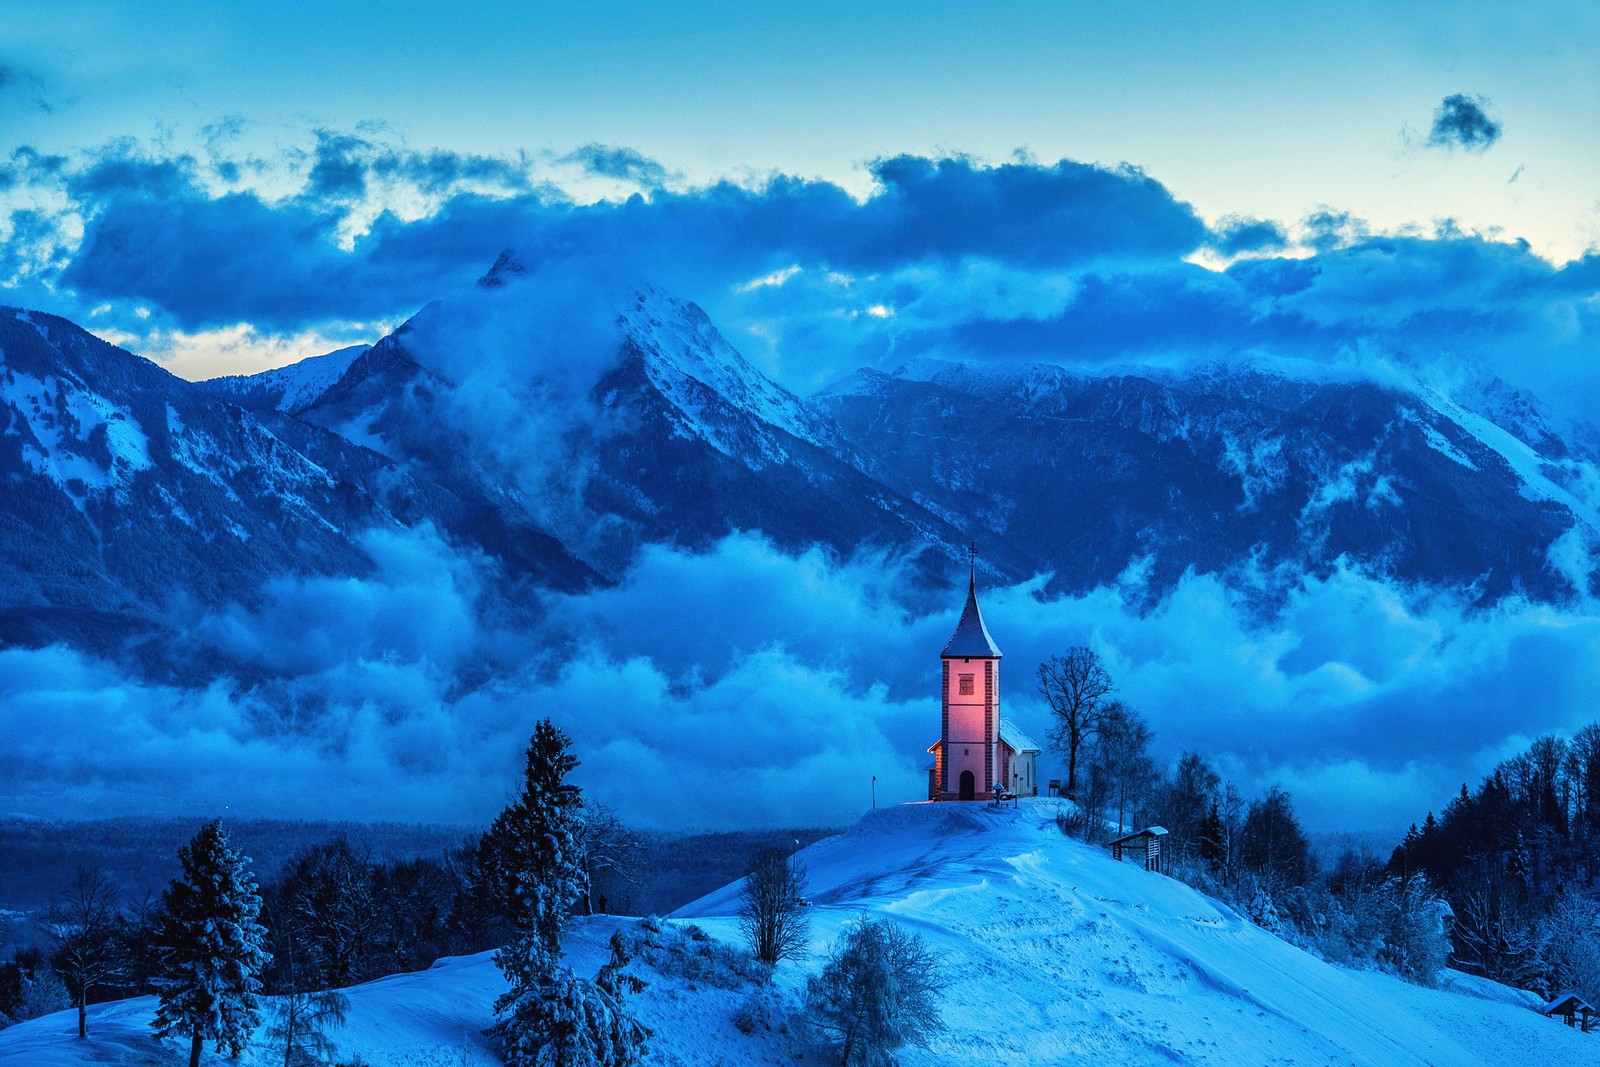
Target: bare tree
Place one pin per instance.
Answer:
(1076, 687)
(1275, 845)
(1583, 769)
(1123, 749)
(772, 907)
(330, 903)
(301, 1019)
(1233, 813)
(1187, 803)
(611, 853)
(85, 926)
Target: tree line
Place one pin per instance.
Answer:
(217, 946)
(1250, 852)
(1518, 859)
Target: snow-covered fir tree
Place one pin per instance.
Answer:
(210, 948)
(554, 1018)
(535, 844)
(550, 1017)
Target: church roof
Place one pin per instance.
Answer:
(1015, 738)
(971, 639)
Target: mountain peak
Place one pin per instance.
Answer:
(679, 344)
(507, 265)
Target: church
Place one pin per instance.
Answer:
(978, 751)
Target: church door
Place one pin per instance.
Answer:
(969, 789)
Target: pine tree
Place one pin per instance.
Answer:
(553, 1018)
(210, 948)
(550, 1017)
(533, 845)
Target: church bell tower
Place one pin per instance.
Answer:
(966, 759)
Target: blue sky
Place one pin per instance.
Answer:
(224, 187)
(1237, 110)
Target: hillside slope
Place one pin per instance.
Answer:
(1055, 954)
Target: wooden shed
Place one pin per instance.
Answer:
(1149, 839)
(1572, 1010)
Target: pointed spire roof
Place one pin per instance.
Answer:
(971, 639)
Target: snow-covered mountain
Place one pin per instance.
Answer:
(612, 422)
(557, 425)
(1226, 469)
(127, 487)
(288, 388)
(1050, 952)
(132, 495)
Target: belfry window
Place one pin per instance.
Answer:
(964, 685)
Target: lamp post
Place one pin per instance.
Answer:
(874, 791)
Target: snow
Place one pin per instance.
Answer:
(691, 363)
(1437, 441)
(1012, 735)
(1518, 455)
(1054, 954)
(62, 418)
(298, 385)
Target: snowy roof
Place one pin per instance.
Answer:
(1014, 738)
(1148, 831)
(1565, 1004)
(971, 639)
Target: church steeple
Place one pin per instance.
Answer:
(971, 639)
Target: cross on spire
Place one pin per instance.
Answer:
(972, 561)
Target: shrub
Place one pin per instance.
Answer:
(762, 1011)
(688, 952)
(877, 992)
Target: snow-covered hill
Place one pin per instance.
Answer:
(1054, 954)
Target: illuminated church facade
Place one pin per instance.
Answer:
(978, 751)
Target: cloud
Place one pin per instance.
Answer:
(1235, 235)
(801, 677)
(619, 164)
(374, 229)
(344, 167)
(337, 171)
(945, 256)
(1462, 121)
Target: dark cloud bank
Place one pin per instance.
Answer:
(803, 676)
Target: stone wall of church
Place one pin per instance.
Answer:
(971, 725)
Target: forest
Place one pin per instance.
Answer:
(1501, 884)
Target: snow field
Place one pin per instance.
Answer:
(1055, 954)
